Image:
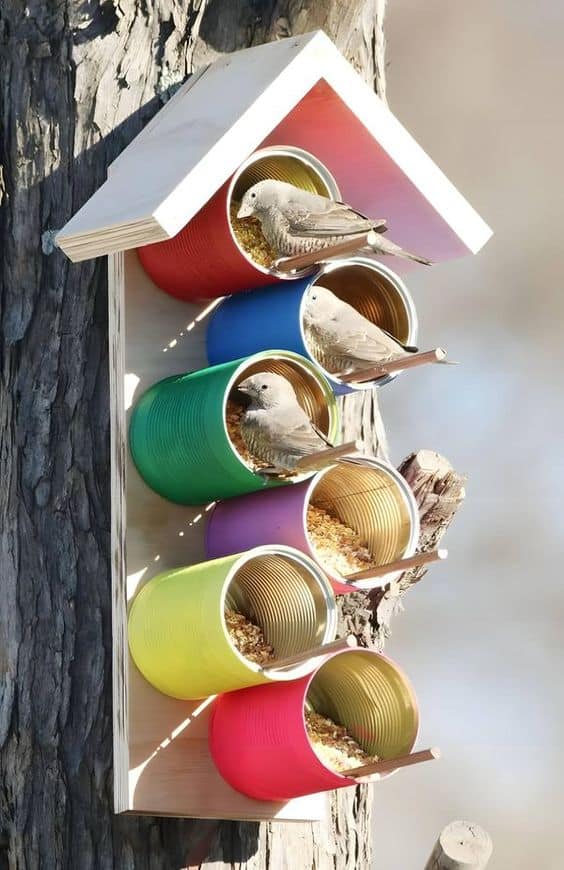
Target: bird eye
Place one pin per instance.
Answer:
(314, 298)
(253, 195)
(264, 387)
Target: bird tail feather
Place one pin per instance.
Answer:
(409, 256)
(386, 246)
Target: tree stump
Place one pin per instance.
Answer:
(80, 81)
(461, 846)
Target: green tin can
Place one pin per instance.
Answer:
(178, 434)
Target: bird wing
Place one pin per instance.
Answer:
(300, 439)
(409, 348)
(370, 343)
(322, 435)
(333, 219)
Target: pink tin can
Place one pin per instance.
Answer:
(259, 740)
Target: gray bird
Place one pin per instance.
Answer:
(294, 221)
(341, 338)
(275, 427)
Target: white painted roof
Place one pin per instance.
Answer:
(219, 117)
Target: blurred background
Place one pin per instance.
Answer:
(480, 86)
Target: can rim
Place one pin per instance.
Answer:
(301, 362)
(398, 285)
(410, 691)
(319, 577)
(409, 500)
(313, 163)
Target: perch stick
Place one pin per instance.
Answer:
(326, 457)
(395, 365)
(400, 565)
(341, 249)
(390, 764)
(339, 645)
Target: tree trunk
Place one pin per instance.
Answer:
(79, 82)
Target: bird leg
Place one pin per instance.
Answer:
(387, 368)
(271, 471)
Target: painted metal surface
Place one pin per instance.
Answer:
(258, 737)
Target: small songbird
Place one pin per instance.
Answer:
(275, 427)
(341, 338)
(294, 221)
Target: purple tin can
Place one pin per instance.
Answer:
(369, 496)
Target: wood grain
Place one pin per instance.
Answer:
(162, 764)
(461, 846)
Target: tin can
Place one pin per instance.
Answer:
(178, 635)
(178, 432)
(259, 739)
(369, 496)
(205, 259)
(274, 316)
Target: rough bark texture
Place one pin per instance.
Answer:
(79, 80)
(439, 491)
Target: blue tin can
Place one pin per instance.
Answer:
(258, 320)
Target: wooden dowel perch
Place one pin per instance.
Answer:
(341, 249)
(339, 645)
(395, 365)
(325, 457)
(399, 565)
(379, 767)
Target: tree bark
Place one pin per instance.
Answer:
(439, 491)
(79, 81)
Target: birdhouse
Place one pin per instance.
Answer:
(294, 110)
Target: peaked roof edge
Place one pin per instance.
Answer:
(111, 211)
(273, 78)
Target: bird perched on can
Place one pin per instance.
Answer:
(275, 427)
(341, 338)
(295, 221)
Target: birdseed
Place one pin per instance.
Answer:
(333, 744)
(248, 233)
(339, 549)
(248, 638)
(233, 414)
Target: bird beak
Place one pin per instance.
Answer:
(243, 387)
(244, 211)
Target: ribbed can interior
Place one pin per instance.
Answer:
(318, 402)
(368, 500)
(376, 293)
(291, 165)
(370, 696)
(290, 601)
